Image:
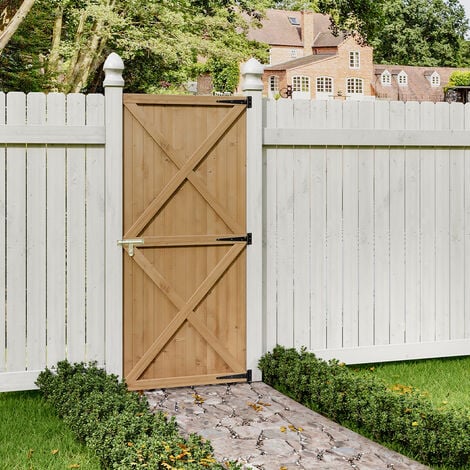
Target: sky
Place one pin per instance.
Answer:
(466, 5)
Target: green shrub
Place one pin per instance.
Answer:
(117, 424)
(432, 435)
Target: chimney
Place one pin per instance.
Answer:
(307, 32)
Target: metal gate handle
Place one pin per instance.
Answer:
(130, 242)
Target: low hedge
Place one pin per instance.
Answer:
(117, 424)
(431, 435)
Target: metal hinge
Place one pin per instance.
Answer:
(248, 376)
(247, 238)
(247, 101)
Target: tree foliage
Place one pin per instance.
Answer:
(407, 32)
(161, 41)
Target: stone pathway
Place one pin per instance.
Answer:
(263, 429)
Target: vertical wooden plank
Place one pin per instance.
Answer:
(457, 221)
(56, 236)
(442, 231)
(382, 232)
(76, 244)
(334, 227)
(397, 230)
(428, 225)
(270, 224)
(467, 224)
(16, 240)
(350, 236)
(3, 312)
(36, 238)
(412, 227)
(301, 240)
(366, 239)
(285, 230)
(318, 210)
(95, 246)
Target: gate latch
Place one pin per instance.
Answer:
(131, 242)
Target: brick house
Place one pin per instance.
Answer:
(315, 64)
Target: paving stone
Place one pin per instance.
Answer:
(276, 447)
(235, 429)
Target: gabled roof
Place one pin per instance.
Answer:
(419, 86)
(327, 39)
(278, 30)
(292, 64)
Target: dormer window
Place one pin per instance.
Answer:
(354, 59)
(386, 78)
(402, 79)
(435, 79)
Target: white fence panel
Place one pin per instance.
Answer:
(367, 228)
(53, 199)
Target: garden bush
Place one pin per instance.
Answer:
(117, 424)
(432, 435)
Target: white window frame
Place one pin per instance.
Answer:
(435, 79)
(301, 87)
(402, 79)
(354, 87)
(273, 85)
(293, 53)
(324, 87)
(386, 78)
(354, 59)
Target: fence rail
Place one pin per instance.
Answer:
(367, 211)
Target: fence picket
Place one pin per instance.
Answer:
(56, 236)
(95, 242)
(36, 238)
(3, 311)
(76, 233)
(16, 240)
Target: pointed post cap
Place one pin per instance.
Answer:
(252, 71)
(113, 68)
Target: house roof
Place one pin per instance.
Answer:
(327, 39)
(419, 85)
(292, 64)
(284, 28)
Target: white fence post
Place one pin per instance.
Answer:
(252, 85)
(113, 85)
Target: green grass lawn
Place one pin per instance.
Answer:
(32, 437)
(446, 382)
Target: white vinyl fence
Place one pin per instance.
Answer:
(367, 228)
(60, 206)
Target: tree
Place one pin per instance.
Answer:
(408, 32)
(421, 32)
(11, 21)
(160, 41)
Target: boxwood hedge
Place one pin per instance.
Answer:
(117, 424)
(431, 435)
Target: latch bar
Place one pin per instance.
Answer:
(130, 243)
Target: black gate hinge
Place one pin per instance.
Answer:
(247, 238)
(247, 101)
(248, 376)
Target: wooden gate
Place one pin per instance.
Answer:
(185, 237)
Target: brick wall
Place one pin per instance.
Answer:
(335, 67)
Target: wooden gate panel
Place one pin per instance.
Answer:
(184, 188)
